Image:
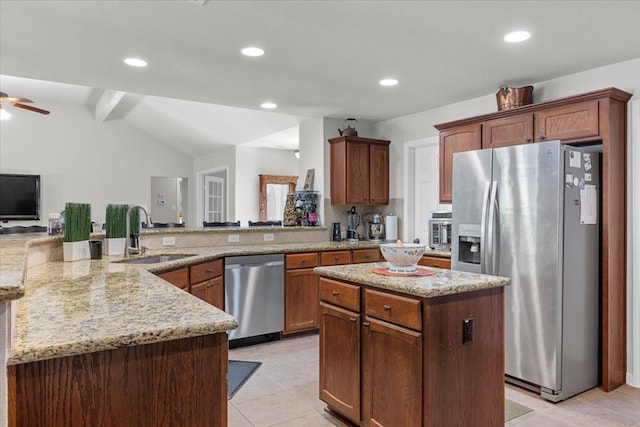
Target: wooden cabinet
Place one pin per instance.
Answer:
(463, 138)
(432, 261)
(366, 255)
(390, 360)
(204, 280)
(568, 122)
(359, 171)
(335, 257)
(300, 293)
(512, 130)
(594, 117)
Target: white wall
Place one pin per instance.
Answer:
(82, 160)
(624, 75)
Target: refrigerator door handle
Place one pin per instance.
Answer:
(491, 230)
(483, 229)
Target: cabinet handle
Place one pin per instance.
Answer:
(352, 319)
(542, 138)
(336, 259)
(335, 293)
(386, 307)
(301, 262)
(209, 285)
(209, 270)
(365, 323)
(527, 140)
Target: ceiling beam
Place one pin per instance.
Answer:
(107, 102)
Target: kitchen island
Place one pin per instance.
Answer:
(412, 350)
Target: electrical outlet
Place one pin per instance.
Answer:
(467, 331)
(268, 237)
(169, 241)
(234, 238)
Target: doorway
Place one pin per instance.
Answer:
(213, 203)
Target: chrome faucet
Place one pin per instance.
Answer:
(128, 248)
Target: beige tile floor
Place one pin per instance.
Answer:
(284, 392)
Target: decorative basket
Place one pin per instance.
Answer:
(512, 97)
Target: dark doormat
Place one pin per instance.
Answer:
(239, 373)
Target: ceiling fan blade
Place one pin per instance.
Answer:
(30, 108)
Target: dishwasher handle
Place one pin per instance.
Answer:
(253, 264)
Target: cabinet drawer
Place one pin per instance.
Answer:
(335, 257)
(179, 277)
(430, 261)
(365, 255)
(340, 294)
(305, 260)
(206, 271)
(393, 308)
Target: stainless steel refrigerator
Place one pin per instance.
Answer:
(531, 212)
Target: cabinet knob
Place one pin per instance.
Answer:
(302, 262)
(209, 285)
(386, 307)
(336, 259)
(352, 319)
(209, 270)
(365, 323)
(335, 293)
(527, 140)
(542, 138)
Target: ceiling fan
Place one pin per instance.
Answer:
(19, 103)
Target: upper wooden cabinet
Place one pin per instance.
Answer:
(455, 140)
(359, 171)
(598, 117)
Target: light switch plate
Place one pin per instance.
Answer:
(234, 238)
(268, 237)
(169, 241)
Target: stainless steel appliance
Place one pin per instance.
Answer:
(254, 294)
(530, 212)
(353, 221)
(373, 227)
(440, 231)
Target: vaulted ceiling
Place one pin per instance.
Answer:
(323, 58)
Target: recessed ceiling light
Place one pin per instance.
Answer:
(517, 36)
(252, 51)
(4, 114)
(135, 62)
(269, 105)
(388, 82)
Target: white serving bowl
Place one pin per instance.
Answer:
(402, 259)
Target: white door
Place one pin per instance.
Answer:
(426, 188)
(214, 208)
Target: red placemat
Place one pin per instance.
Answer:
(421, 271)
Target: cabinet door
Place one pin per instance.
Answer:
(432, 261)
(357, 172)
(179, 277)
(300, 300)
(211, 291)
(463, 138)
(507, 131)
(379, 174)
(392, 361)
(575, 121)
(340, 360)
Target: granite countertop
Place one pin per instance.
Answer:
(68, 308)
(444, 282)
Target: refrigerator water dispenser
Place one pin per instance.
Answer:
(469, 243)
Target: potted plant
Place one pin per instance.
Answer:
(77, 228)
(115, 241)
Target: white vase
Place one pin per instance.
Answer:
(74, 251)
(114, 246)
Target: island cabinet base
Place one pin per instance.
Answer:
(172, 383)
(389, 359)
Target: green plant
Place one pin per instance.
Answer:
(135, 221)
(77, 222)
(115, 220)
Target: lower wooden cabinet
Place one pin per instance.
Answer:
(432, 261)
(211, 291)
(300, 300)
(394, 360)
(179, 277)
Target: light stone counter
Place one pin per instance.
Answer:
(444, 282)
(94, 305)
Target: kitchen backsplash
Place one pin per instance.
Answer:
(333, 213)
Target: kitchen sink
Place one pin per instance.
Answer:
(154, 259)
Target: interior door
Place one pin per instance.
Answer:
(426, 187)
(214, 208)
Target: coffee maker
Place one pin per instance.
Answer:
(374, 227)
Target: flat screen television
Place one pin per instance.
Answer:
(19, 197)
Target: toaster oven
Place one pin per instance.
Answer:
(440, 231)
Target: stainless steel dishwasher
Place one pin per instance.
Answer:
(254, 294)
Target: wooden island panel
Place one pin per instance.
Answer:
(172, 383)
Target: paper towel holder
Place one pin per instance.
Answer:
(391, 227)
